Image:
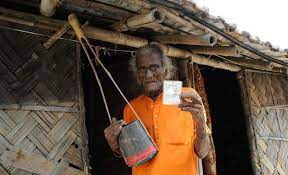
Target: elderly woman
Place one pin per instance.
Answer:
(179, 131)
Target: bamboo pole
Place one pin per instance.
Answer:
(275, 54)
(114, 37)
(215, 63)
(142, 20)
(230, 51)
(183, 73)
(202, 40)
(56, 35)
(243, 60)
(118, 38)
(48, 7)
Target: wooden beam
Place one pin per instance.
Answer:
(112, 37)
(215, 63)
(201, 40)
(34, 164)
(57, 35)
(230, 51)
(142, 20)
(48, 7)
(251, 62)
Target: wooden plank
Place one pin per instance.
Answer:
(34, 163)
(62, 126)
(38, 108)
(62, 146)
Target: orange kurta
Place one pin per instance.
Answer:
(173, 132)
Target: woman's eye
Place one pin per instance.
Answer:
(154, 67)
(141, 69)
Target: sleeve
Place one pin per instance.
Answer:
(127, 114)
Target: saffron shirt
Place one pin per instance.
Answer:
(172, 130)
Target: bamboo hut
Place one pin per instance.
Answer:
(51, 114)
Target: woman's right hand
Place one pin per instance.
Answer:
(112, 132)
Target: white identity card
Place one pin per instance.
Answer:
(171, 92)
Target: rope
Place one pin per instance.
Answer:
(110, 77)
(62, 38)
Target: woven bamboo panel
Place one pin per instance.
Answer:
(267, 104)
(39, 105)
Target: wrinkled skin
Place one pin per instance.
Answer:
(151, 75)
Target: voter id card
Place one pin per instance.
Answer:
(171, 92)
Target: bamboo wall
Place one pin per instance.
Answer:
(41, 117)
(266, 103)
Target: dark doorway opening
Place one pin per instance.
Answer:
(101, 157)
(228, 122)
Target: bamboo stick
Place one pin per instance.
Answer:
(120, 38)
(56, 35)
(275, 54)
(215, 63)
(202, 40)
(48, 7)
(218, 50)
(142, 20)
(242, 60)
(183, 73)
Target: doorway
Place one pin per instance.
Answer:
(228, 122)
(101, 157)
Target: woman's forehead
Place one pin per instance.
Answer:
(148, 59)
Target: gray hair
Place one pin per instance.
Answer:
(149, 49)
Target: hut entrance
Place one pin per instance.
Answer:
(101, 156)
(228, 122)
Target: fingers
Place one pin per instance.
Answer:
(113, 128)
(114, 120)
(190, 104)
(192, 96)
(117, 131)
(193, 110)
(112, 132)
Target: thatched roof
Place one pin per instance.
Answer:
(175, 18)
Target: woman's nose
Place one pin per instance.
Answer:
(148, 73)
